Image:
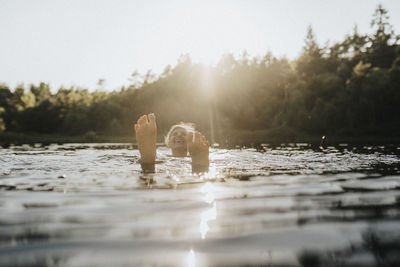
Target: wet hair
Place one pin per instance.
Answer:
(189, 127)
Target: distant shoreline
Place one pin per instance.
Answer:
(242, 138)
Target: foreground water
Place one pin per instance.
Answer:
(90, 205)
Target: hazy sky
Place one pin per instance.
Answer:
(78, 42)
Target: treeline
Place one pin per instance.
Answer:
(349, 88)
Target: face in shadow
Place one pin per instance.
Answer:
(178, 142)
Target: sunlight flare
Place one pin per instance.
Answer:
(206, 216)
(212, 173)
(210, 214)
(191, 259)
(209, 190)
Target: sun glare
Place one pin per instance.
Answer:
(206, 216)
(208, 189)
(210, 214)
(206, 30)
(191, 259)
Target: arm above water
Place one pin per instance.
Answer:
(146, 135)
(198, 147)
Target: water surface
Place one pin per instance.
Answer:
(292, 205)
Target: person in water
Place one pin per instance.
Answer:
(182, 139)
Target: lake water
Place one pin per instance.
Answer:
(292, 205)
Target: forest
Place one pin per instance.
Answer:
(348, 90)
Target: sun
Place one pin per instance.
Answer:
(204, 30)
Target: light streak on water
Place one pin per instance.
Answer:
(211, 213)
(206, 216)
(191, 259)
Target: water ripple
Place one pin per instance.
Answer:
(74, 205)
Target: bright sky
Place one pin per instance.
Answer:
(78, 42)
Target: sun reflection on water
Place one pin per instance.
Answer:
(209, 190)
(211, 213)
(206, 216)
(212, 174)
(191, 259)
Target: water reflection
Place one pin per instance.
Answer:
(210, 214)
(376, 248)
(212, 174)
(302, 207)
(209, 190)
(206, 216)
(191, 259)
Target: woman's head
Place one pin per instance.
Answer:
(176, 138)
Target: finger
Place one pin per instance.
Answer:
(136, 127)
(152, 118)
